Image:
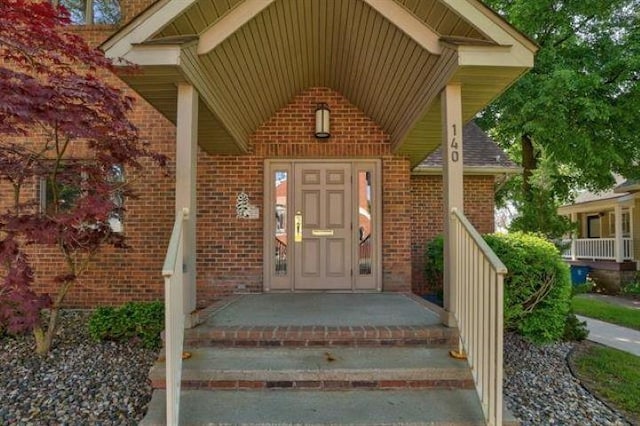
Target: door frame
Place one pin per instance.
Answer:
(359, 283)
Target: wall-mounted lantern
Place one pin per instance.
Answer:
(322, 121)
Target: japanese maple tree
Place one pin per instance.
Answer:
(54, 100)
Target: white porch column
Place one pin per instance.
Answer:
(452, 188)
(619, 244)
(186, 163)
(574, 236)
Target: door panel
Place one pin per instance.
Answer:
(322, 195)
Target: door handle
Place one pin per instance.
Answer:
(297, 227)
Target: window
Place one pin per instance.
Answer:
(626, 223)
(70, 187)
(88, 12)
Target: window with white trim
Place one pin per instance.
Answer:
(626, 223)
(90, 12)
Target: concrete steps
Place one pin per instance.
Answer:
(288, 407)
(319, 368)
(390, 365)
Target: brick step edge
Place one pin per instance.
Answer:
(249, 343)
(320, 336)
(320, 384)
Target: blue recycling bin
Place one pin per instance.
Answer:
(579, 274)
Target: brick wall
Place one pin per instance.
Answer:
(230, 251)
(427, 215)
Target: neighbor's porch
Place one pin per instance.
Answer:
(605, 231)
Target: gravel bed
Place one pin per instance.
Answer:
(540, 389)
(79, 382)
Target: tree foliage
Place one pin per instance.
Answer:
(54, 101)
(572, 120)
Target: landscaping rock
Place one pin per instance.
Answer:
(79, 382)
(540, 389)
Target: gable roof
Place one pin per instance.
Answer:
(479, 152)
(390, 58)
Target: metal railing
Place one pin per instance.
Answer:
(478, 278)
(597, 249)
(174, 315)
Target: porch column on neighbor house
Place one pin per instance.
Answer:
(186, 163)
(619, 243)
(453, 189)
(574, 236)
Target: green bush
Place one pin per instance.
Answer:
(632, 288)
(434, 264)
(537, 288)
(574, 329)
(132, 320)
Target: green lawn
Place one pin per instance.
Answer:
(611, 374)
(626, 317)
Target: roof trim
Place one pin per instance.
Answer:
(144, 26)
(490, 23)
(469, 170)
(231, 22)
(587, 206)
(417, 30)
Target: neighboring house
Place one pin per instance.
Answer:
(241, 94)
(608, 230)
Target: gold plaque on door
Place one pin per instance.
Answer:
(322, 232)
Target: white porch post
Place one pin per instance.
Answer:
(186, 164)
(619, 244)
(453, 190)
(574, 236)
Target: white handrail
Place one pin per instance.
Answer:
(598, 249)
(172, 271)
(479, 280)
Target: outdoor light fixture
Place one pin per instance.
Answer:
(322, 121)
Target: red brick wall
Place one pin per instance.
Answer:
(427, 215)
(230, 251)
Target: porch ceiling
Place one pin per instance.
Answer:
(249, 58)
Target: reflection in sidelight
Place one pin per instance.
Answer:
(364, 222)
(281, 223)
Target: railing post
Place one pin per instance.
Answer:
(574, 236)
(619, 243)
(185, 196)
(453, 190)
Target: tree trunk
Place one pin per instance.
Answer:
(529, 164)
(44, 338)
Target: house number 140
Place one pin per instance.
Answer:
(455, 152)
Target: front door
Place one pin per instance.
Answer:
(322, 197)
(322, 228)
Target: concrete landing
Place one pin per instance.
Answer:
(374, 407)
(326, 309)
(393, 364)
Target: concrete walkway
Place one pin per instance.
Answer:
(616, 300)
(614, 336)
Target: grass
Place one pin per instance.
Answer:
(612, 375)
(604, 311)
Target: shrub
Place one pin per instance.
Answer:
(537, 287)
(632, 288)
(574, 329)
(434, 264)
(132, 320)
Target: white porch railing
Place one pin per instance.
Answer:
(478, 278)
(598, 249)
(174, 315)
